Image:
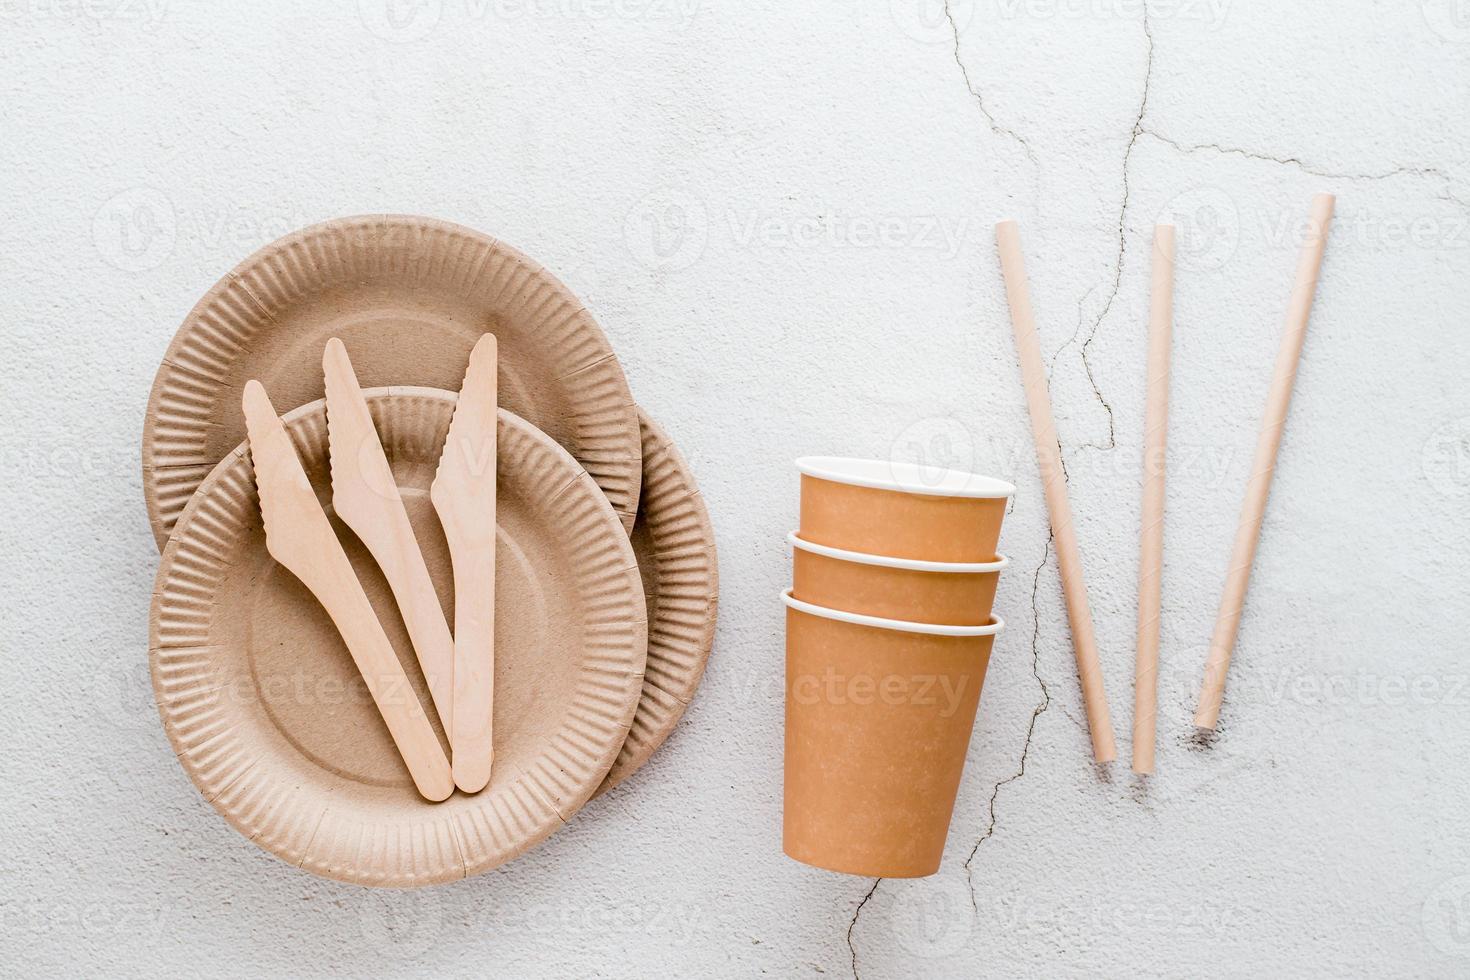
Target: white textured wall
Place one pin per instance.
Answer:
(781, 213)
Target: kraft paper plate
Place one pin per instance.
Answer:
(271, 720)
(409, 296)
(675, 545)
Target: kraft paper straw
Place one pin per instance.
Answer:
(1151, 527)
(1258, 489)
(1049, 462)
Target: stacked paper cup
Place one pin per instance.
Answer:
(888, 635)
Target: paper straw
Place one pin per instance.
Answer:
(1053, 480)
(1258, 489)
(1151, 526)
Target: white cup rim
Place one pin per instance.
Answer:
(882, 474)
(991, 628)
(887, 561)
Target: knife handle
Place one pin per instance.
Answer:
(472, 554)
(403, 566)
(341, 595)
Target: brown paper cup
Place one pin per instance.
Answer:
(901, 510)
(878, 719)
(948, 593)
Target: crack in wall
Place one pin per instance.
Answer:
(1295, 161)
(1117, 284)
(1036, 713)
(1076, 332)
(995, 126)
(1137, 130)
(853, 924)
(1316, 170)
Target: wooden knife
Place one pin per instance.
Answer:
(299, 536)
(365, 496)
(463, 493)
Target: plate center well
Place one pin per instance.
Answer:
(312, 692)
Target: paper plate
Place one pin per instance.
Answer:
(675, 545)
(268, 713)
(409, 297)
